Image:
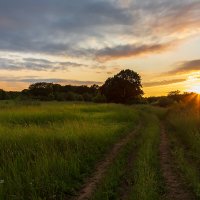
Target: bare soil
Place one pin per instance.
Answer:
(176, 189)
(99, 172)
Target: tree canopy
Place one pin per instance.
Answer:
(123, 88)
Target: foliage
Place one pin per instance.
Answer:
(2, 94)
(123, 87)
(99, 98)
(175, 95)
(165, 102)
(50, 91)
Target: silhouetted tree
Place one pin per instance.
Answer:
(2, 94)
(42, 91)
(175, 95)
(123, 88)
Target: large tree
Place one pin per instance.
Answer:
(123, 87)
(42, 91)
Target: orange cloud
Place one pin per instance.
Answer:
(182, 19)
(186, 67)
(124, 51)
(165, 82)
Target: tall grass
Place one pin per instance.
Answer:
(143, 173)
(117, 174)
(47, 149)
(184, 128)
(147, 177)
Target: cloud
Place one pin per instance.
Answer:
(60, 81)
(51, 27)
(36, 64)
(165, 82)
(123, 51)
(35, 79)
(185, 13)
(185, 67)
(67, 27)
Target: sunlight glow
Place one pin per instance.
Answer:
(195, 89)
(193, 83)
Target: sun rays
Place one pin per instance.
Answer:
(193, 83)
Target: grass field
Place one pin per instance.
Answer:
(47, 149)
(51, 151)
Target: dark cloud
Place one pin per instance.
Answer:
(36, 64)
(34, 79)
(62, 27)
(52, 26)
(61, 81)
(122, 51)
(186, 66)
(165, 82)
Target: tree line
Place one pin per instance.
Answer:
(124, 87)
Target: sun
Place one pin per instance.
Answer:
(195, 89)
(193, 83)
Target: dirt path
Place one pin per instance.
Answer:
(176, 190)
(89, 187)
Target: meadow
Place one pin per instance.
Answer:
(47, 149)
(52, 150)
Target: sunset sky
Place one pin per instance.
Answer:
(87, 41)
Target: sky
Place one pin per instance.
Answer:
(86, 41)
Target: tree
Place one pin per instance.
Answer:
(42, 91)
(175, 95)
(2, 94)
(123, 88)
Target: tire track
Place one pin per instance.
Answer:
(88, 189)
(127, 181)
(176, 190)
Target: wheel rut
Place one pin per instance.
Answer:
(176, 190)
(126, 183)
(89, 187)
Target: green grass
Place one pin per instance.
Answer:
(47, 149)
(144, 177)
(109, 188)
(148, 183)
(184, 129)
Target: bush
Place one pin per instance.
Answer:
(87, 97)
(99, 98)
(165, 102)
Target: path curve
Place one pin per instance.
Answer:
(176, 190)
(87, 190)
